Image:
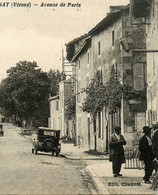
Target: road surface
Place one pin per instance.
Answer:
(22, 172)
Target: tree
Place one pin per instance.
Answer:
(25, 93)
(99, 94)
(70, 108)
(55, 78)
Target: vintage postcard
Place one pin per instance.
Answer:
(78, 97)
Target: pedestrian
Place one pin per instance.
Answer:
(117, 156)
(146, 153)
(155, 145)
(24, 123)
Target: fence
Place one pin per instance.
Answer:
(132, 159)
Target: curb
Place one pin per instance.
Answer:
(98, 184)
(82, 157)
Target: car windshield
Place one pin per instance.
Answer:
(50, 133)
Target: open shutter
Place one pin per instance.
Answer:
(138, 76)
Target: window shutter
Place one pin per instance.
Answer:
(138, 76)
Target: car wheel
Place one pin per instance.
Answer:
(32, 150)
(57, 153)
(48, 144)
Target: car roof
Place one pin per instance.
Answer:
(47, 129)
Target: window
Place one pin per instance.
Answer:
(79, 64)
(50, 133)
(114, 69)
(99, 48)
(138, 76)
(78, 93)
(113, 38)
(88, 57)
(101, 75)
(57, 105)
(153, 14)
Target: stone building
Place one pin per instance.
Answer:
(65, 91)
(100, 50)
(149, 12)
(54, 120)
(57, 119)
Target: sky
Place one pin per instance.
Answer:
(39, 33)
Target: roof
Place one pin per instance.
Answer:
(76, 39)
(86, 42)
(47, 129)
(107, 21)
(65, 81)
(53, 98)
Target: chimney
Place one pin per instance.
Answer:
(116, 8)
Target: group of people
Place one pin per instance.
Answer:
(148, 148)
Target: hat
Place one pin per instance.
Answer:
(155, 124)
(146, 129)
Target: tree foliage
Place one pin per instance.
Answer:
(25, 93)
(99, 94)
(55, 78)
(70, 108)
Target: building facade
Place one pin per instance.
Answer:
(54, 120)
(149, 12)
(57, 119)
(100, 50)
(65, 91)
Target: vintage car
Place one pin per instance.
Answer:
(47, 141)
(1, 130)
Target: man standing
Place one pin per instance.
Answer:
(155, 144)
(146, 153)
(117, 156)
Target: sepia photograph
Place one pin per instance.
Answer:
(79, 97)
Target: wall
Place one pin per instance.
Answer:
(65, 91)
(54, 113)
(152, 66)
(83, 78)
(136, 38)
(109, 55)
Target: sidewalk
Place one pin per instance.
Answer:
(100, 170)
(75, 153)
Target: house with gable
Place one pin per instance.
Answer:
(82, 74)
(100, 50)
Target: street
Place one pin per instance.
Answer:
(22, 172)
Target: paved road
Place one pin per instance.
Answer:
(22, 172)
